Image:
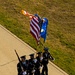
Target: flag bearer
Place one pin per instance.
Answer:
(46, 57)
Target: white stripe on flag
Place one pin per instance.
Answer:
(36, 23)
(35, 29)
(34, 34)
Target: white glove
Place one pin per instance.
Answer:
(35, 60)
(24, 73)
(40, 67)
(41, 58)
(33, 71)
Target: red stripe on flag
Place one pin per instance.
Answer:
(36, 24)
(35, 29)
(35, 37)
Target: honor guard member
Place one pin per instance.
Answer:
(31, 67)
(46, 57)
(39, 59)
(22, 66)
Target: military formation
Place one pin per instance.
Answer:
(35, 65)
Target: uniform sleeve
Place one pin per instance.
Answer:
(19, 68)
(50, 56)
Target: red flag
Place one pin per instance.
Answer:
(35, 28)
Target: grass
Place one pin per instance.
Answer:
(61, 27)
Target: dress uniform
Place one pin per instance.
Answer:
(22, 66)
(31, 66)
(46, 57)
(39, 59)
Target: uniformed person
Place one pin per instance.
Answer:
(46, 57)
(31, 68)
(22, 66)
(39, 59)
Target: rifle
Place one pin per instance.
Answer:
(23, 72)
(19, 60)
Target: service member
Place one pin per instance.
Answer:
(39, 59)
(46, 57)
(31, 68)
(22, 66)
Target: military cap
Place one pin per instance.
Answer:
(39, 52)
(23, 56)
(46, 48)
(31, 55)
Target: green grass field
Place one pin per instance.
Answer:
(61, 27)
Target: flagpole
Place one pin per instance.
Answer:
(42, 44)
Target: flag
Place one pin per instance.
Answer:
(43, 32)
(38, 27)
(35, 29)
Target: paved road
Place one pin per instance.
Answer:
(8, 59)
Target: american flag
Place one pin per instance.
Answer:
(35, 28)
